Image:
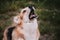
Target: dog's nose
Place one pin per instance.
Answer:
(30, 7)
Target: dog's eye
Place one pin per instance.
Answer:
(24, 11)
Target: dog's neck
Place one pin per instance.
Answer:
(30, 24)
(34, 22)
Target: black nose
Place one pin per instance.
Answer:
(30, 7)
(32, 10)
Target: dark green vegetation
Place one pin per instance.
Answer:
(47, 10)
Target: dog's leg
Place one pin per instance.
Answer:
(16, 35)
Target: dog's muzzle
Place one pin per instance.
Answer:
(32, 15)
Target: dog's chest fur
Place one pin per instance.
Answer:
(30, 30)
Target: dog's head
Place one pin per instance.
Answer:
(27, 14)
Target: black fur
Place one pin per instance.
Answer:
(9, 33)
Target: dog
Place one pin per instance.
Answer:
(26, 26)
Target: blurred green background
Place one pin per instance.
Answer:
(47, 10)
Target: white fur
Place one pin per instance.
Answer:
(16, 19)
(26, 14)
(30, 30)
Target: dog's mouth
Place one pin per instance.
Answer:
(32, 15)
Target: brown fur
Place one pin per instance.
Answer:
(16, 32)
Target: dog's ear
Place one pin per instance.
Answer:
(16, 19)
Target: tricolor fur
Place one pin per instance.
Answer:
(26, 26)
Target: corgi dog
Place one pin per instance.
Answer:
(26, 26)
